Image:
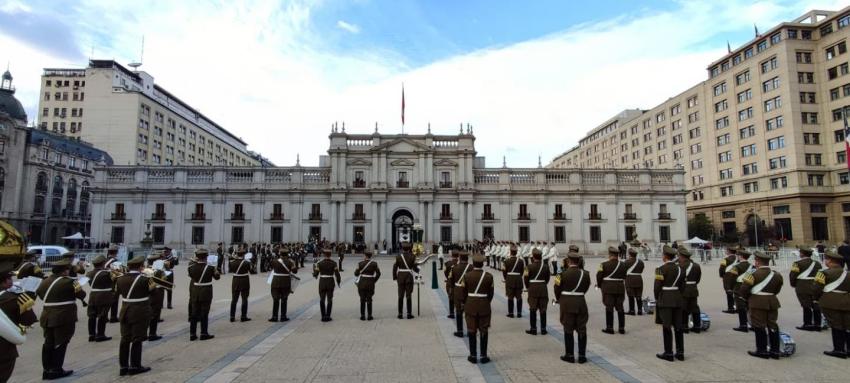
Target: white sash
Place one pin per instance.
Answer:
(357, 280)
(200, 281)
(459, 282)
(675, 281)
(513, 269)
(741, 277)
(732, 266)
(807, 272)
(631, 269)
(130, 292)
(47, 293)
(476, 294)
(540, 270)
(759, 287)
(573, 291)
(94, 278)
(834, 284)
(608, 278)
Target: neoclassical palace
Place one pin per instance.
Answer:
(378, 187)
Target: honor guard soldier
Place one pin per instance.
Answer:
(327, 271)
(16, 306)
(340, 251)
(690, 295)
(570, 287)
(477, 286)
(759, 288)
(29, 268)
(135, 315)
(112, 257)
(634, 282)
(367, 274)
(831, 287)
(553, 257)
(802, 278)
(170, 262)
(404, 269)
(283, 270)
(741, 269)
(610, 277)
(201, 294)
(157, 296)
(240, 284)
(456, 277)
(726, 265)
(514, 267)
(669, 285)
(447, 273)
(100, 299)
(58, 317)
(536, 278)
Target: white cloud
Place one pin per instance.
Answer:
(263, 71)
(351, 28)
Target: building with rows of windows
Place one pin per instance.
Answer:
(761, 140)
(44, 176)
(373, 188)
(136, 121)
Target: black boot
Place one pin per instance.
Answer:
(569, 346)
(510, 307)
(838, 344)
(329, 308)
(582, 347)
(46, 358)
(233, 309)
(533, 320)
(275, 308)
(667, 335)
(773, 339)
(519, 308)
(680, 345)
(362, 310)
(459, 323)
(451, 309)
(193, 329)
(59, 360)
(761, 344)
(124, 357)
(695, 317)
(543, 323)
(473, 349)
(621, 320)
(631, 305)
(369, 310)
(92, 328)
(807, 320)
(639, 304)
(484, 337)
(136, 360)
(101, 331)
(817, 319)
(742, 321)
(244, 317)
(152, 327)
(409, 307)
(730, 303)
(284, 303)
(323, 310)
(609, 322)
(400, 307)
(205, 324)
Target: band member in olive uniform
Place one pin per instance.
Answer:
(512, 270)
(367, 274)
(17, 306)
(58, 317)
(690, 296)
(477, 286)
(831, 287)
(340, 251)
(404, 270)
(669, 285)
(201, 294)
(610, 277)
(738, 272)
(135, 288)
(447, 273)
(240, 284)
(283, 270)
(759, 288)
(157, 296)
(100, 299)
(536, 278)
(802, 278)
(29, 268)
(726, 265)
(327, 271)
(570, 287)
(111, 257)
(634, 282)
(456, 277)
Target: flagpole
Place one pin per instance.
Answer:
(402, 108)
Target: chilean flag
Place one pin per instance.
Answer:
(846, 136)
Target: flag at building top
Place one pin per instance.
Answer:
(846, 136)
(402, 104)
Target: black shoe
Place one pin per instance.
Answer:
(472, 359)
(582, 359)
(774, 355)
(170, 308)
(154, 338)
(608, 330)
(137, 370)
(161, 320)
(741, 329)
(665, 356)
(232, 319)
(632, 313)
(273, 319)
(484, 360)
(245, 319)
(400, 316)
(695, 330)
(805, 327)
(284, 319)
(370, 318)
(531, 331)
(459, 334)
(114, 320)
(621, 331)
(450, 316)
(837, 354)
(518, 315)
(568, 358)
(732, 311)
(193, 338)
(207, 336)
(362, 318)
(324, 319)
(680, 356)
(544, 332)
(510, 315)
(409, 316)
(686, 330)
(122, 371)
(91, 338)
(640, 313)
(759, 354)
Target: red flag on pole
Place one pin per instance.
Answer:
(402, 104)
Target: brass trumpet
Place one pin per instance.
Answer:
(151, 274)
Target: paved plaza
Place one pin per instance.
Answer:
(424, 349)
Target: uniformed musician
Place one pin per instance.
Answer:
(170, 262)
(112, 257)
(327, 271)
(610, 277)
(134, 288)
(157, 295)
(759, 289)
(283, 270)
(447, 274)
(634, 281)
(404, 270)
(570, 287)
(477, 286)
(726, 265)
(801, 278)
(60, 293)
(30, 268)
(831, 287)
(690, 296)
(739, 271)
(240, 284)
(201, 275)
(536, 279)
(514, 268)
(457, 275)
(100, 299)
(669, 285)
(367, 274)
(16, 305)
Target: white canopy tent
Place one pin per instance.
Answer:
(76, 236)
(695, 241)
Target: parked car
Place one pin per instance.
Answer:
(48, 254)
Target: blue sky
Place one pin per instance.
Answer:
(531, 76)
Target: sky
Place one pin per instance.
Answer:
(531, 77)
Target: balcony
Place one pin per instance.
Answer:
(445, 185)
(276, 216)
(314, 217)
(559, 216)
(158, 216)
(402, 184)
(445, 216)
(523, 216)
(664, 215)
(358, 216)
(358, 184)
(198, 217)
(120, 216)
(238, 216)
(594, 216)
(630, 216)
(487, 217)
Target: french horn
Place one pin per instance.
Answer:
(10, 331)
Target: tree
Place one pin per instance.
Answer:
(700, 226)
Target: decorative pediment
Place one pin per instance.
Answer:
(401, 145)
(403, 162)
(445, 162)
(359, 162)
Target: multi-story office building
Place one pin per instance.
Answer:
(373, 188)
(135, 120)
(761, 140)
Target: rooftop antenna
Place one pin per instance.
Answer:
(136, 65)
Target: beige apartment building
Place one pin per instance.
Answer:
(761, 140)
(136, 121)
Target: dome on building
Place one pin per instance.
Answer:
(8, 103)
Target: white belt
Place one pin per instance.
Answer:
(805, 278)
(326, 276)
(99, 290)
(514, 273)
(691, 282)
(571, 293)
(202, 284)
(403, 270)
(477, 295)
(367, 275)
(536, 281)
(670, 288)
(458, 284)
(634, 274)
(838, 292)
(134, 300)
(241, 275)
(280, 275)
(612, 279)
(764, 294)
(51, 304)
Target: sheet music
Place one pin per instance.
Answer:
(83, 280)
(212, 260)
(159, 265)
(29, 284)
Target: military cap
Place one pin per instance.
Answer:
(455, 253)
(805, 251)
(762, 255)
(62, 262)
(463, 254)
(100, 259)
(574, 256)
(30, 253)
(744, 253)
(326, 252)
(478, 259)
(667, 250)
(732, 249)
(201, 253)
(536, 253)
(834, 255)
(613, 250)
(69, 255)
(684, 252)
(633, 251)
(513, 247)
(112, 249)
(573, 249)
(367, 252)
(136, 261)
(6, 269)
(283, 251)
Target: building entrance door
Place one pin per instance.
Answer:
(402, 229)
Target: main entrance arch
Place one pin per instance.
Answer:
(402, 230)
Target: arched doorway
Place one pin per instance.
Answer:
(402, 228)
